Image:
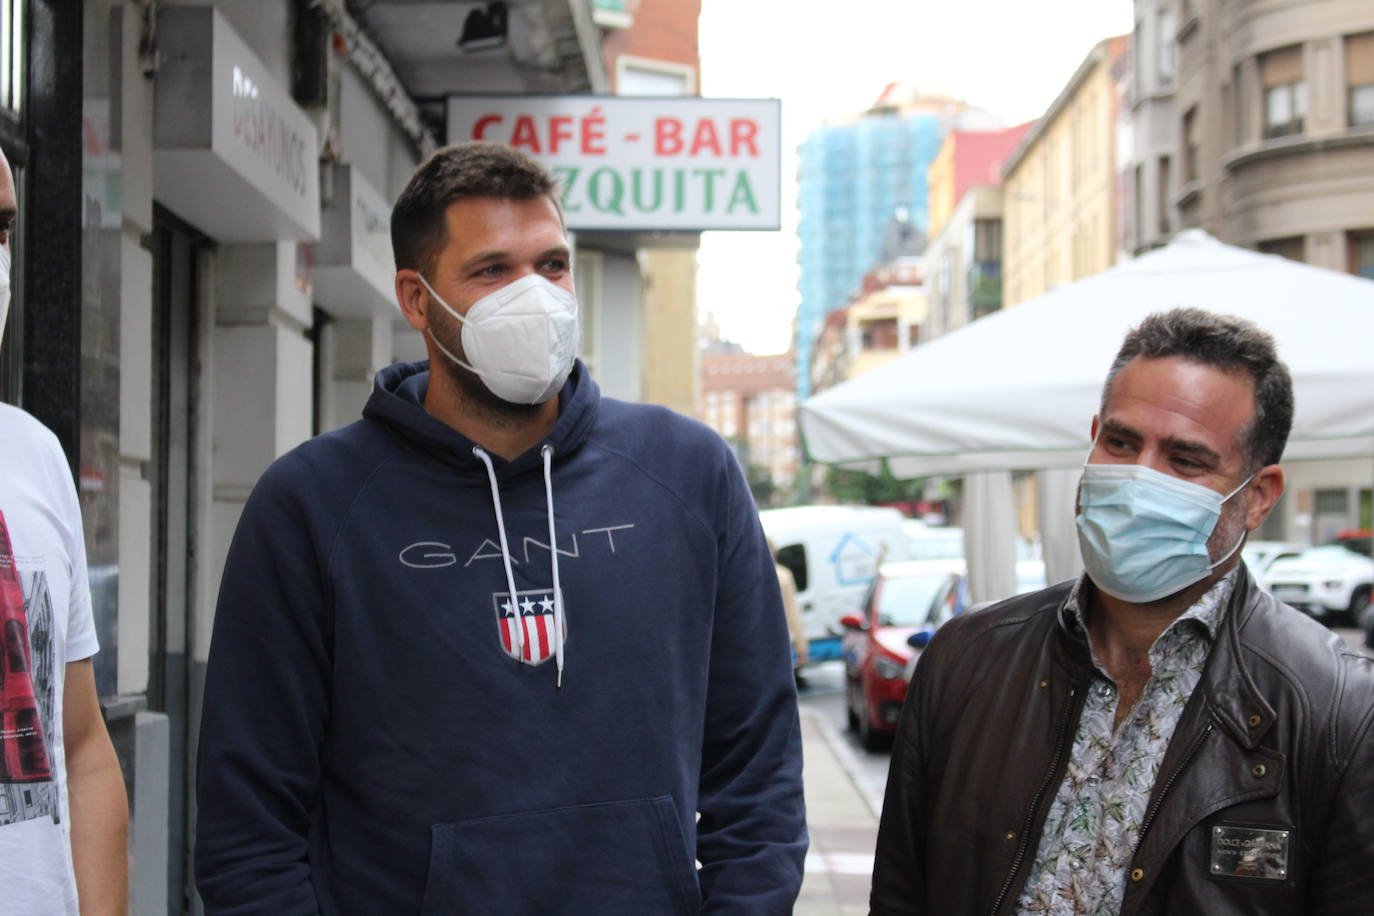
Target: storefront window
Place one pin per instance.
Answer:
(101, 221)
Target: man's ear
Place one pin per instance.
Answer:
(1264, 491)
(410, 296)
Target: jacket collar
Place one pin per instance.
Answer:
(1231, 693)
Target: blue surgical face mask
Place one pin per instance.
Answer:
(1143, 534)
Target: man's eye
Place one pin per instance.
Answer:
(555, 265)
(491, 270)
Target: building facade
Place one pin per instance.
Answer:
(853, 179)
(1275, 115)
(1060, 184)
(751, 402)
(967, 158)
(963, 263)
(1152, 160)
(886, 318)
(1253, 122)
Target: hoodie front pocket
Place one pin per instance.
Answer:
(607, 858)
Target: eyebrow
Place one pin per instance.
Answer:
(1172, 443)
(487, 257)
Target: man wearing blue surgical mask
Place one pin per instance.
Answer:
(1160, 735)
(502, 646)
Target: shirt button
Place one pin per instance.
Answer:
(1137, 874)
(1258, 771)
(1254, 721)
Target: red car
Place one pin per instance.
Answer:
(904, 605)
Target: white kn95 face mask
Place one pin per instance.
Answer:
(521, 340)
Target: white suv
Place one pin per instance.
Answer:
(1331, 583)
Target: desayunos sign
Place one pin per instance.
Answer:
(641, 163)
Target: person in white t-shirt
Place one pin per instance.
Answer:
(63, 812)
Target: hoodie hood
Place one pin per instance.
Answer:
(398, 400)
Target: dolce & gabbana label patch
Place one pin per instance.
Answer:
(1257, 853)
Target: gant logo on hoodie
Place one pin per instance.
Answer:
(439, 555)
(532, 611)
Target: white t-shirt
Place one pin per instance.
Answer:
(45, 622)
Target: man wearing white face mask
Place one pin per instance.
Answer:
(63, 811)
(1160, 735)
(503, 646)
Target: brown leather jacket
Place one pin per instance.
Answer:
(1270, 772)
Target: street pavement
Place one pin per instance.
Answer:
(843, 798)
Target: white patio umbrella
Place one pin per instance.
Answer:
(1018, 389)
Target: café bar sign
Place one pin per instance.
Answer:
(643, 164)
(234, 154)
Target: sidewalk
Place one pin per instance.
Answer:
(843, 828)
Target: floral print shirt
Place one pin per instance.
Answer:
(1093, 825)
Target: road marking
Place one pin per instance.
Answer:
(839, 863)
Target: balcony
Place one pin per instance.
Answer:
(984, 287)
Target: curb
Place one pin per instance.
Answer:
(849, 760)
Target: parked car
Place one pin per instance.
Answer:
(833, 552)
(904, 606)
(1331, 583)
(1356, 539)
(1259, 555)
(927, 542)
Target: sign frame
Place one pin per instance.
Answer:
(595, 123)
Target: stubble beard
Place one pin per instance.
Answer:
(1230, 528)
(474, 393)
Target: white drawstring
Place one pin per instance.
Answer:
(517, 622)
(547, 452)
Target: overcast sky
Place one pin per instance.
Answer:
(828, 58)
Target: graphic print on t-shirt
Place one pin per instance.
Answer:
(27, 788)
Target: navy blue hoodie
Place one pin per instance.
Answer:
(369, 745)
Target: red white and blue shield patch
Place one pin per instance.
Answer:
(532, 611)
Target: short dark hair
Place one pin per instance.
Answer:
(1230, 344)
(476, 169)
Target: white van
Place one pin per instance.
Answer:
(833, 553)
